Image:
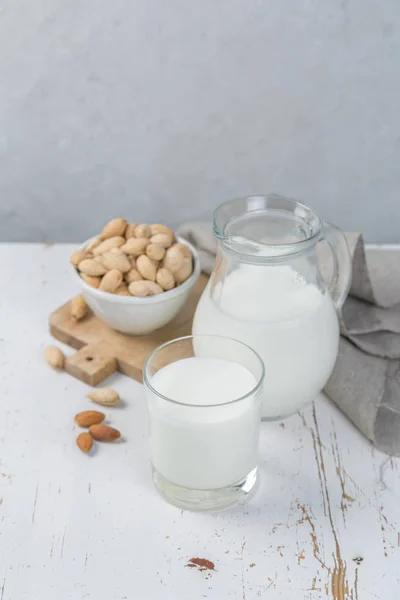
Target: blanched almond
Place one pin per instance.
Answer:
(142, 231)
(77, 257)
(155, 251)
(122, 290)
(165, 279)
(116, 260)
(114, 242)
(132, 275)
(84, 441)
(159, 228)
(130, 230)
(91, 280)
(184, 249)
(111, 281)
(79, 308)
(135, 246)
(173, 259)
(164, 239)
(139, 289)
(132, 260)
(113, 228)
(89, 266)
(54, 357)
(104, 396)
(184, 271)
(92, 244)
(146, 267)
(104, 433)
(153, 287)
(87, 418)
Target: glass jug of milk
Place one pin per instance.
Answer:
(267, 291)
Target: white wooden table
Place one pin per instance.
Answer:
(324, 524)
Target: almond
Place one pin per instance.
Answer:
(77, 257)
(54, 357)
(113, 228)
(104, 396)
(87, 418)
(122, 290)
(132, 260)
(153, 287)
(184, 271)
(142, 231)
(92, 243)
(165, 279)
(79, 308)
(132, 275)
(111, 281)
(116, 260)
(146, 267)
(84, 441)
(130, 230)
(138, 288)
(155, 251)
(187, 253)
(89, 266)
(173, 259)
(159, 228)
(91, 280)
(135, 246)
(164, 239)
(104, 433)
(114, 242)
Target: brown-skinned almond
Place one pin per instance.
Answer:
(87, 418)
(84, 441)
(104, 433)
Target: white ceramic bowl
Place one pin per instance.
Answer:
(139, 316)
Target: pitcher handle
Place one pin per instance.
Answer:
(342, 264)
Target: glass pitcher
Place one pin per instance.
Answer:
(267, 291)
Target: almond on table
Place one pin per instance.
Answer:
(104, 433)
(54, 357)
(87, 418)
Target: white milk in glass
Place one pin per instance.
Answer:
(290, 323)
(204, 447)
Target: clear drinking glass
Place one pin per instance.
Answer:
(204, 412)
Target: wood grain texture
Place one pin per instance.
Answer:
(324, 524)
(103, 350)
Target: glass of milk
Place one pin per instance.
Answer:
(204, 408)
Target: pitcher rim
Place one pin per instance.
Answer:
(288, 248)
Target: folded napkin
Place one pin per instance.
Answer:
(365, 383)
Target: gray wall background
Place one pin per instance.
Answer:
(158, 110)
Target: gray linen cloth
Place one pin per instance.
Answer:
(365, 383)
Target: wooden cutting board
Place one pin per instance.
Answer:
(102, 351)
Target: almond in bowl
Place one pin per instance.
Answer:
(136, 277)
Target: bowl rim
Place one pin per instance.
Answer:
(157, 298)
